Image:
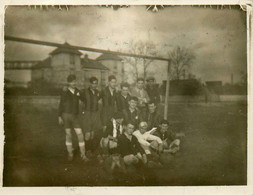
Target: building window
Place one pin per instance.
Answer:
(72, 59)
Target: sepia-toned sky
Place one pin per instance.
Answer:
(217, 37)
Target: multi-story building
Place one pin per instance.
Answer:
(64, 61)
(61, 62)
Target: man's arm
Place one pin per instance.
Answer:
(141, 140)
(154, 138)
(61, 104)
(152, 131)
(82, 95)
(60, 108)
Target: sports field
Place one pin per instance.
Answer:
(213, 151)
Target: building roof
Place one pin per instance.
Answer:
(43, 64)
(66, 48)
(108, 56)
(85, 62)
(92, 64)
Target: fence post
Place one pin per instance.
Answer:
(167, 93)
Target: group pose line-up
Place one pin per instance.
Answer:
(127, 126)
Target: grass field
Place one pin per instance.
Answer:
(213, 151)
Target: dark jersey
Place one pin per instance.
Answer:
(122, 102)
(127, 146)
(69, 102)
(90, 100)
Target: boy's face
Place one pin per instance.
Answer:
(129, 129)
(132, 104)
(151, 82)
(143, 127)
(113, 83)
(72, 84)
(124, 91)
(151, 108)
(94, 85)
(164, 128)
(140, 84)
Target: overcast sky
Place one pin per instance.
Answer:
(217, 37)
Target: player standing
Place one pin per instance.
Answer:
(68, 116)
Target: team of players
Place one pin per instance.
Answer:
(126, 127)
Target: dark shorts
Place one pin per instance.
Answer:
(90, 121)
(70, 121)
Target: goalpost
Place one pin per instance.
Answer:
(51, 44)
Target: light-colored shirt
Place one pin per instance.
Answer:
(115, 128)
(141, 94)
(147, 136)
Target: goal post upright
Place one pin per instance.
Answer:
(167, 92)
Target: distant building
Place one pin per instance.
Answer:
(61, 62)
(18, 73)
(64, 61)
(115, 65)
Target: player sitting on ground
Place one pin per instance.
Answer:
(146, 138)
(129, 147)
(170, 141)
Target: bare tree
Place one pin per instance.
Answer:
(181, 60)
(139, 66)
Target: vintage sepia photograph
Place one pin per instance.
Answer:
(125, 95)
